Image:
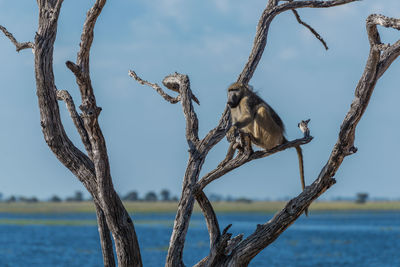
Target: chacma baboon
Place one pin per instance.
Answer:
(257, 121)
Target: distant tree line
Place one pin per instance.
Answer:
(165, 196)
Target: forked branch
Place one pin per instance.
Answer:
(178, 83)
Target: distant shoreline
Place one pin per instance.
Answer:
(170, 207)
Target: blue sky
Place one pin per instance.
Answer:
(210, 41)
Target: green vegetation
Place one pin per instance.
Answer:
(170, 207)
(228, 207)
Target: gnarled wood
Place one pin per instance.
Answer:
(118, 219)
(92, 171)
(18, 46)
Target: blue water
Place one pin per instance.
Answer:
(323, 239)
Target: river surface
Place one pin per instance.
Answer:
(323, 239)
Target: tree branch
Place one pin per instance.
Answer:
(63, 95)
(243, 158)
(260, 40)
(182, 82)
(196, 159)
(216, 134)
(220, 245)
(388, 57)
(167, 97)
(18, 46)
(88, 34)
(105, 238)
(210, 216)
(118, 219)
(391, 52)
(316, 34)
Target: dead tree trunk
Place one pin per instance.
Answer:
(93, 169)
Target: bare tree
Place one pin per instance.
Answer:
(93, 168)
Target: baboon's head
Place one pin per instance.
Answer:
(235, 93)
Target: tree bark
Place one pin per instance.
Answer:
(93, 172)
(105, 238)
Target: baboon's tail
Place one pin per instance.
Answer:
(301, 167)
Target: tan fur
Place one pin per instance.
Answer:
(258, 120)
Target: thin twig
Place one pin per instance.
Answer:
(316, 34)
(63, 95)
(167, 97)
(260, 39)
(19, 46)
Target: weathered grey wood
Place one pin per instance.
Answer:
(210, 216)
(243, 158)
(76, 118)
(118, 220)
(196, 160)
(105, 238)
(18, 46)
(92, 171)
(167, 97)
(181, 83)
(311, 29)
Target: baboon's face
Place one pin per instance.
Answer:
(235, 94)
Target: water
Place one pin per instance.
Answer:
(323, 239)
